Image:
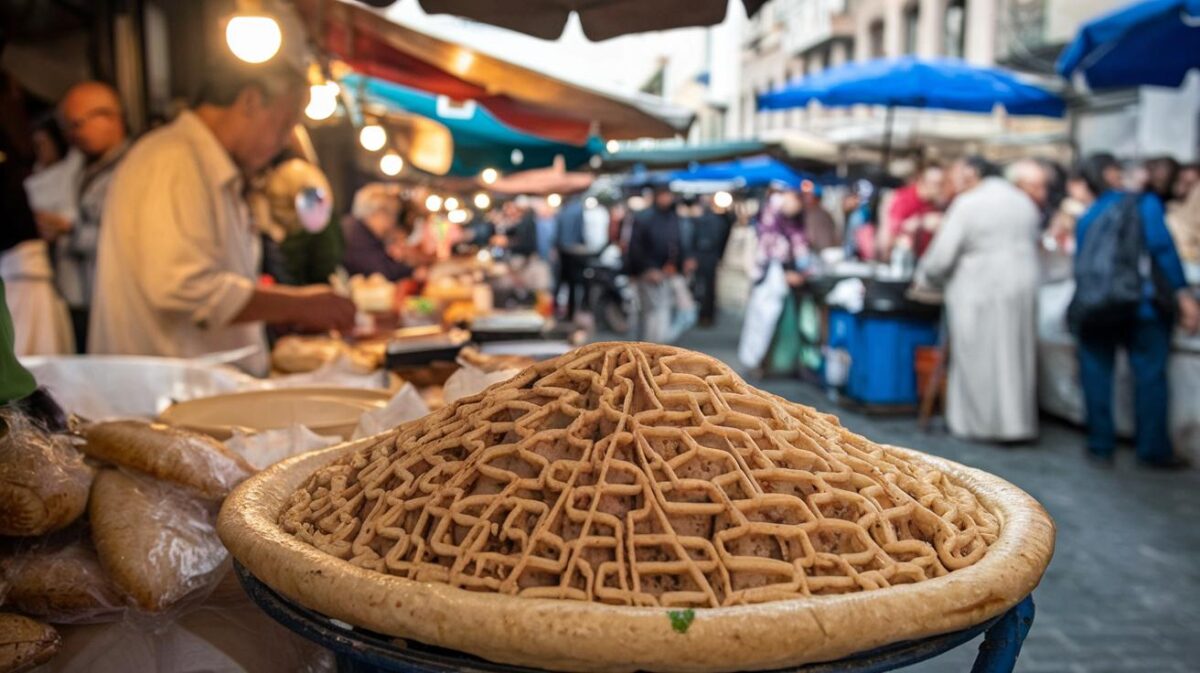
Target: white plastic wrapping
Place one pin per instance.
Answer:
(118, 386)
(43, 480)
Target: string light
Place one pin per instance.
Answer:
(433, 203)
(482, 201)
(372, 137)
(722, 200)
(457, 216)
(612, 146)
(554, 200)
(489, 176)
(253, 37)
(391, 164)
(322, 100)
(450, 203)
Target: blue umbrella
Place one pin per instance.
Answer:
(480, 140)
(757, 171)
(942, 83)
(1153, 42)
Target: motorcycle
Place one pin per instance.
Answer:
(609, 291)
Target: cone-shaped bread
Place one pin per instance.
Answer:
(633, 474)
(635, 507)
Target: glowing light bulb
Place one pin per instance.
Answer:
(612, 146)
(722, 199)
(554, 200)
(253, 38)
(518, 157)
(457, 216)
(391, 164)
(450, 203)
(372, 137)
(489, 176)
(482, 201)
(433, 203)
(322, 100)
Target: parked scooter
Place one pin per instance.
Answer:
(608, 290)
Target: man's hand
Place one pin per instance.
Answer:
(1189, 312)
(50, 225)
(794, 278)
(312, 308)
(318, 308)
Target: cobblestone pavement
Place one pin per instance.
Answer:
(1123, 591)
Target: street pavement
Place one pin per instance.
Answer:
(1123, 591)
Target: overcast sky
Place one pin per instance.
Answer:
(621, 64)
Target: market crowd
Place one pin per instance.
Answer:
(982, 238)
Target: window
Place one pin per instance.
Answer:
(954, 32)
(875, 38)
(910, 29)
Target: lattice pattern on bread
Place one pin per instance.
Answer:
(638, 474)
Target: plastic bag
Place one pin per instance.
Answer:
(156, 542)
(43, 480)
(686, 312)
(62, 582)
(762, 313)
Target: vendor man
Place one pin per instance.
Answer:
(178, 253)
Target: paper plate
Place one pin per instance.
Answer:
(325, 411)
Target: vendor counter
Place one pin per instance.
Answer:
(859, 337)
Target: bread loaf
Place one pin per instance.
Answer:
(43, 480)
(25, 643)
(63, 585)
(157, 543)
(190, 459)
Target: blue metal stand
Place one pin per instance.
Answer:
(1002, 642)
(358, 651)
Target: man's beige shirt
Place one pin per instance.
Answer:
(178, 253)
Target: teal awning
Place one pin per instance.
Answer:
(480, 140)
(680, 154)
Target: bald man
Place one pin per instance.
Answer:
(1031, 177)
(91, 117)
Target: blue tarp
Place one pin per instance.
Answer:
(750, 172)
(1150, 42)
(480, 140)
(942, 83)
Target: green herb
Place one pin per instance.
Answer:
(681, 619)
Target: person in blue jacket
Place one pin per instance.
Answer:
(1147, 340)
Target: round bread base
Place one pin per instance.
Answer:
(578, 636)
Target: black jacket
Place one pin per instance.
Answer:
(656, 241)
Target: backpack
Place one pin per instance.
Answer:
(1109, 283)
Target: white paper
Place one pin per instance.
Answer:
(469, 380)
(264, 449)
(406, 405)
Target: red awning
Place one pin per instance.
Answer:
(525, 99)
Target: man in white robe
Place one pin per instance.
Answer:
(985, 258)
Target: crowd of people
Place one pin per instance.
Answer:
(984, 240)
